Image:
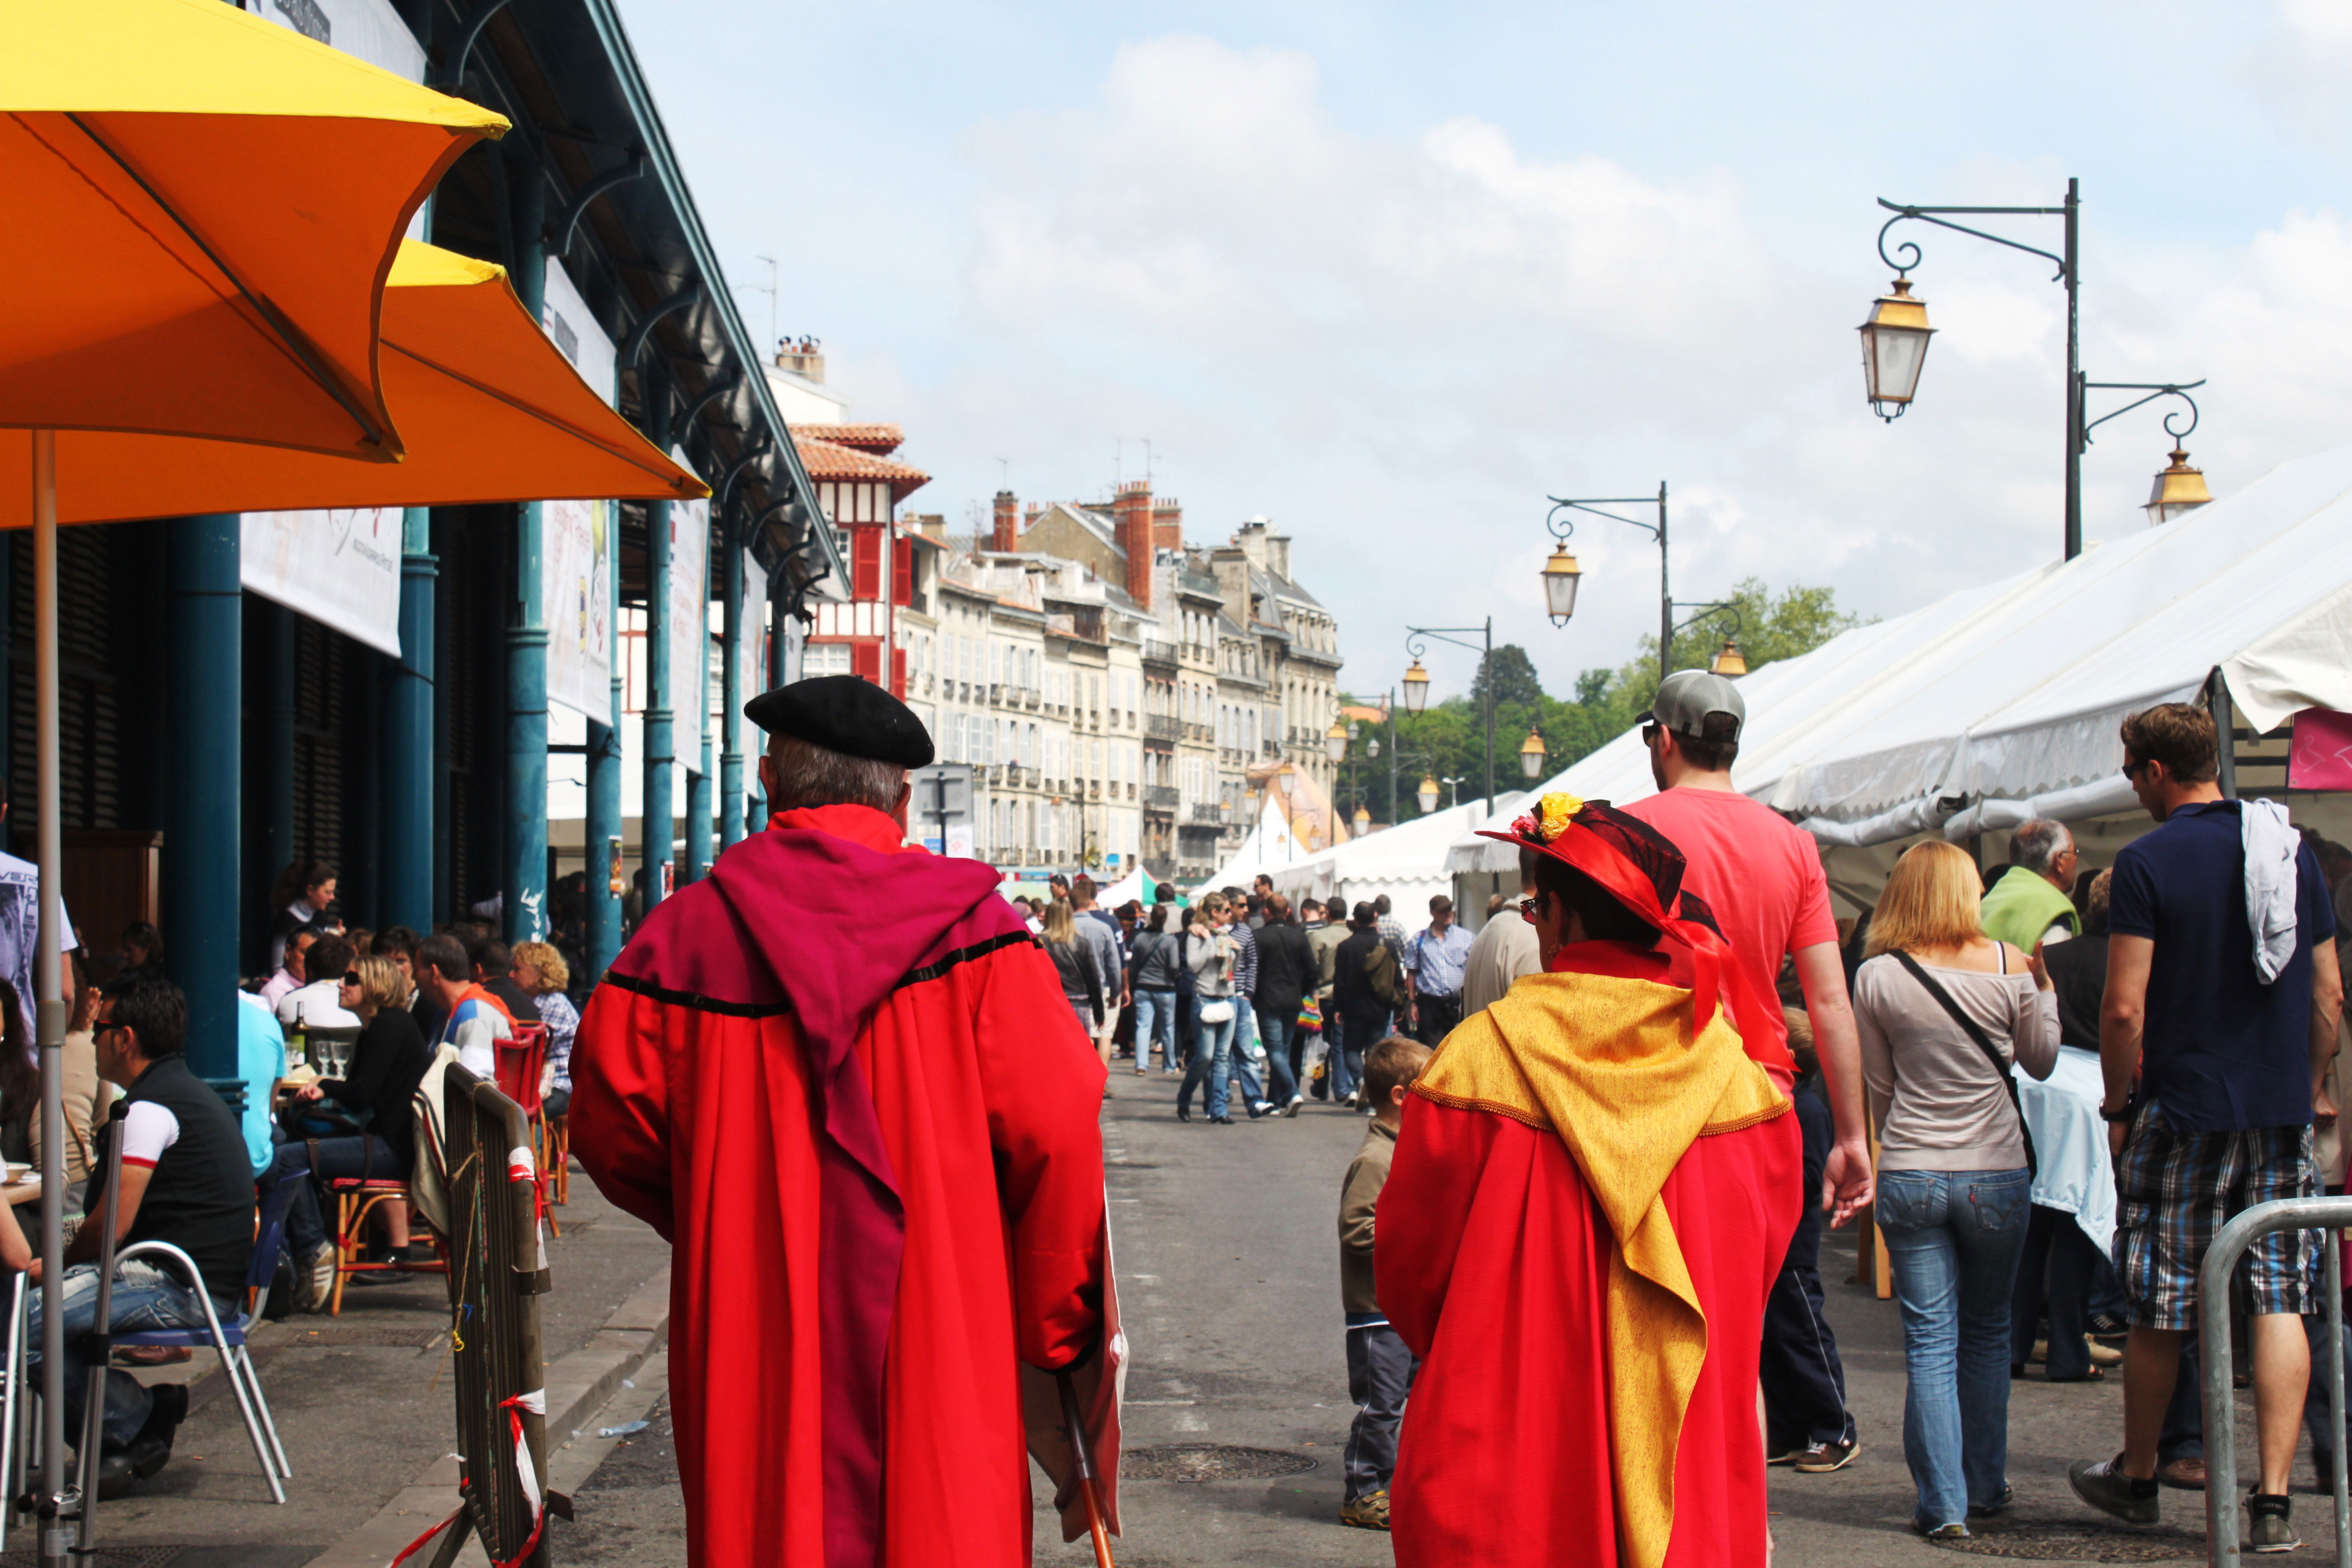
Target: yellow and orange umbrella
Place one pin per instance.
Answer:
(488, 407)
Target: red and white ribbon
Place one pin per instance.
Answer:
(525, 1473)
(522, 1167)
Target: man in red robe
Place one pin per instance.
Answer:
(1585, 1214)
(838, 1075)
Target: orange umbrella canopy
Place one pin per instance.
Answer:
(199, 210)
(490, 410)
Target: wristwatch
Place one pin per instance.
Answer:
(2123, 1113)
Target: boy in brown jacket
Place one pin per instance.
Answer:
(1379, 1368)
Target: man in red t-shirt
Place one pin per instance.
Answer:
(1761, 876)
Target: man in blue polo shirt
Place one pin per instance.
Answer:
(2229, 1035)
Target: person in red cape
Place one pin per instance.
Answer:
(1582, 1223)
(838, 1075)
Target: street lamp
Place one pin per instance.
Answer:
(1532, 755)
(1453, 791)
(1729, 661)
(1416, 680)
(1895, 339)
(1284, 781)
(1894, 348)
(1560, 574)
(1416, 687)
(1562, 527)
(1335, 741)
(2178, 489)
(1363, 820)
(1427, 794)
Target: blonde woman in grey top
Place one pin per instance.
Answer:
(1953, 1185)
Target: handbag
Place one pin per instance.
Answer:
(1310, 1016)
(1216, 1010)
(2008, 1079)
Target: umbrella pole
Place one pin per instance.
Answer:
(57, 1535)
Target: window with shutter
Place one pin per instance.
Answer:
(902, 572)
(865, 570)
(865, 661)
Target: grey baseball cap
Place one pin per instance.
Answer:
(1687, 696)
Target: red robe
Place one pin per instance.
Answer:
(841, 1079)
(1493, 1255)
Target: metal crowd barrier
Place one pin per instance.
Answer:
(2329, 1215)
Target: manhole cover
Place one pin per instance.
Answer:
(405, 1338)
(1208, 1462)
(2073, 1542)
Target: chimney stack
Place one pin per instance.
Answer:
(1003, 538)
(1167, 523)
(1132, 512)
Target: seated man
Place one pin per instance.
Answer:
(313, 1004)
(1585, 1214)
(187, 1180)
(291, 971)
(475, 1019)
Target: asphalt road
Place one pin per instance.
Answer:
(1228, 1266)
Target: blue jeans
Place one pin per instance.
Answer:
(145, 1298)
(1210, 1050)
(1275, 1028)
(364, 1155)
(1155, 1019)
(1952, 1244)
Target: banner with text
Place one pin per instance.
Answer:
(752, 645)
(689, 645)
(339, 567)
(576, 564)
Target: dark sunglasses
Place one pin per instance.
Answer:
(1649, 733)
(2133, 770)
(351, 977)
(1528, 907)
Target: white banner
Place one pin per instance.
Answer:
(576, 567)
(751, 646)
(574, 327)
(341, 568)
(690, 646)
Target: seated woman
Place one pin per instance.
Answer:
(541, 970)
(387, 1063)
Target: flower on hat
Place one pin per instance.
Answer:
(1550, 818)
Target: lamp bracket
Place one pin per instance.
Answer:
(1739, 624)
(1417, 639)
(1927, 214)
(1562, 529)
(2155, 389)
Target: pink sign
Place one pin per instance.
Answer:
(2321, 755)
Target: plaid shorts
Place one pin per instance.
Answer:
(2177, 1189)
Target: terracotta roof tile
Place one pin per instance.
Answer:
(830, 461)
(880, 439)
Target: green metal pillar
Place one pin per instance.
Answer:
(524, 903)
(730, 693)
(267, 727)
(407, 756)
(656, 819)
(202, 874)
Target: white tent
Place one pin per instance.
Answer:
(1269, 845)
(1407, 862)
(2002, 701)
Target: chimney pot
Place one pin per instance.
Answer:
(1003, 537)
(1132, 512)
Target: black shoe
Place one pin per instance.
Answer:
(2102, 1484)
(2268, 1528)
(1221, 1121)
(167, 1407)
(118, 1472)
(1183, 1111)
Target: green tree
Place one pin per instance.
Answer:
(1514, 675)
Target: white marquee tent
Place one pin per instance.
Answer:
(1407, 861)
(2001, 702)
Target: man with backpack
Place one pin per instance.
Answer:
(1367, 990)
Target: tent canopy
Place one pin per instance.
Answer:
(2002, 701)
(1407, 862)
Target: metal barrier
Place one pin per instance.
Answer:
(2330, 1214)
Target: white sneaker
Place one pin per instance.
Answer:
(319, 1275)
(1295, 1101)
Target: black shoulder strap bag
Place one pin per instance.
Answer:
(2008, 1079)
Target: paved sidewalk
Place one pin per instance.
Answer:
(363, 1404)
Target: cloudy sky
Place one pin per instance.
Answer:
(1389, 274)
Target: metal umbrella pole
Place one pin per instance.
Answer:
(49, 1007)
(98, 1343)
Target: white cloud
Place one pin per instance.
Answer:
(1397, 346)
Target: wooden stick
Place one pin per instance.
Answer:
(1082, 1454)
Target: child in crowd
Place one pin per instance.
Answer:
(1379, 1368)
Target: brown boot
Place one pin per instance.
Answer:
(1370, 1511)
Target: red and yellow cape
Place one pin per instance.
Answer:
(1586, 1212)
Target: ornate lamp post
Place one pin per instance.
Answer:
(1533, 756)
(1895, 343)
(1416, 680)
(1729, 661)
(1563, 526)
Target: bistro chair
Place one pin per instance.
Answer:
(357, 1197)
(229, 1337)
(552, 1140)
(521, 1066)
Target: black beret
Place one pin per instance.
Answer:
(845, 713)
